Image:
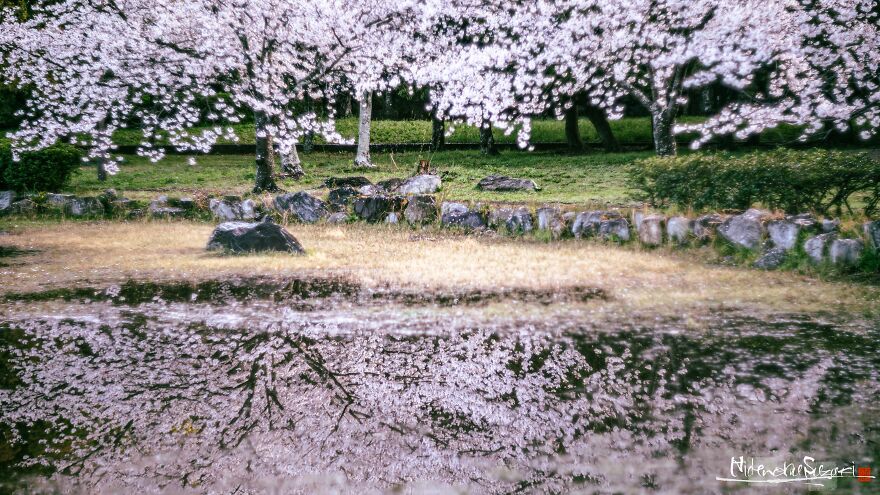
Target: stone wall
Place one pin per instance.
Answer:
(772, 237)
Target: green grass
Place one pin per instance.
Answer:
(630, 130)
(584, 178)
(633, 130)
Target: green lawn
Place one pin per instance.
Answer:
(595, 178)
(630, 130)
(585, 178)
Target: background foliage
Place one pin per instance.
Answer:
(48, 170)
(793, 181)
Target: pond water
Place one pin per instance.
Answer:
(310, 387)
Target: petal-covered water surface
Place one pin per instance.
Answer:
(230, 391)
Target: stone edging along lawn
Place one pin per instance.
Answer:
(764, 238)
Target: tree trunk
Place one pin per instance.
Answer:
(346, 110)
(264, 180)
(572, 132)
(102, 170)
(438, 134)
(664, 138)
(363, 149)
(389, 105)
(487, 140)
(603, 128)
(101, 163)
(291, 165)
(309, 138)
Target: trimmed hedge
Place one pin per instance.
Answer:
(793, 181)
(46, 170)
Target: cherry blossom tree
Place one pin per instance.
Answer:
(653, 51)
(800, 62)
(266, 55)
(830, 79)
(471, 75)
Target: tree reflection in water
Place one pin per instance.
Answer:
(156, 401)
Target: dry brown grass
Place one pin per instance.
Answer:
(97, 254)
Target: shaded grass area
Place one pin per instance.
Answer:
(68, 254)
(629, 131)
(582, 178)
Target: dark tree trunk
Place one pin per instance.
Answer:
(389, 106)
(438, 134)
(603, 128)
(572, 131)
(347, 110)
(309, 138)
(101, 163)
(102, 170)
(264, 181)
(487, 140)
(664, 137)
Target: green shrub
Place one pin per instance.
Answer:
(44, 170)
(793, 181)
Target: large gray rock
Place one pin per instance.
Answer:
(651, 230)
(679, 229)
(392, 218)
(830, 225)
(586, 224)
(772, 259)
(706, 226)
(546, 216)
(337, 218)
(514, 220)
(341, 198)
(421, 209)
(355, 182)
(59, 201)
(420, 184)
(370, 190)
(504, 183)
(551, 219)
(784, 233)
(302, 207)
(637, 217)
(243, 237)
(816, 246)
(376, 208)
(389, 186)
(744, 230)
(167, 212)
(159, 201)
(616, 229)
(382, 188)
(872, 234)
(159, 208)
(805, 221)
(846, 251)
(84, 207)
(459, 215)
(6, 200)
(24, 206)
(230, 209)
